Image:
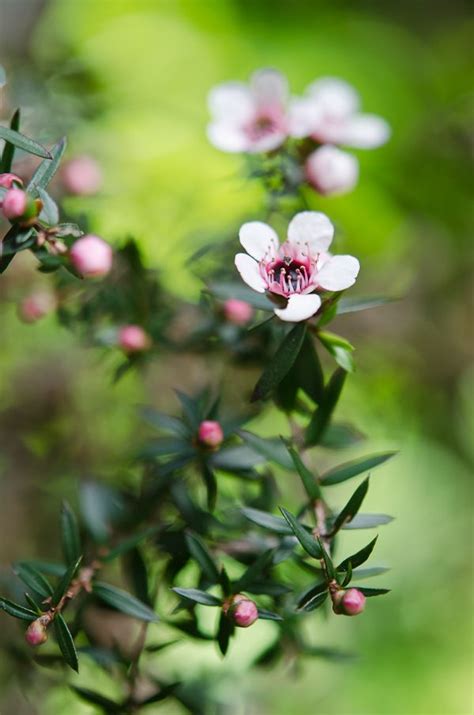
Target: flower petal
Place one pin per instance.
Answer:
(335, 97)
(259, 239)
(332, 171)
(269, 88)
(249, 272)
(231, 102)
(311, 228)
(227, 137)
(365, 131)
(299, 307)
(338, 273)
(303, 117)
(268, 142)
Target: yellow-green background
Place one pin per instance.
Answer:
(139, 108)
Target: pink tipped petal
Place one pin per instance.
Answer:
(259, 239)
(332, 171)
(231, 102)
(339, 273)
(335, 96)
(311, 228)
(227, 137)
(267, 143)
(365, 131)
(269, 88)
(299, 307)
(249, 272)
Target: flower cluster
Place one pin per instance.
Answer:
(261, 117)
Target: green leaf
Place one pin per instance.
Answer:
(65, 581)
(20, 141)
(89, 696)
(254, 571)
(311, 604)
(224, 633)
(198, 596)
(201, 554)
(32, 604)
(369, 592)
(322, 415)
(164, 422)
(137, 572)
(17, 611)
(351, 508)
(309, 480)
(330, 569)
(281, 362)
(339, 436)
(71, 540)
(123, 601)
(307, 541)
(265, 615)
(309, 594)
(46, 567)
(370, 572)
(66, 642)
(305, 374)
(33, 579)
(240, 457)
(129, 544)
(354, 468)
(267, 521)
(272, 449)
(210, 482)
(358, 558)
(9, 149)
(368, 521)
(340, 348)
(352, 305)
(47, 169)
(191, 410)
(16, 239)
(50, 212)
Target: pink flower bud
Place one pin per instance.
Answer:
(36, 306)
(82, 176)
(242, 611)
(210, 433)
(36, 633)
(237, 311)
(6, 180)
(15, 204)
(91, 256)
(133, 339)
(332, 171)
(349, 603)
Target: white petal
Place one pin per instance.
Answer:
(249, 272)
(336, 97)
(231, 101)
(339, 273)
(259, 239)
(300, 307)
(227, 137)
(332, 171)
(365, 131)
(267, 143)
(303, 117)
(269, 88)
(311, 228)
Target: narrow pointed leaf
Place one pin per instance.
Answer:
(33, 579)
(267, 521)
(352, 305)
(71, 540)
(198, 596)
(309, 480)
(330, 570)
(90, 696)
(313, 603)
(129, 544)
(370, 572)
(17, 611)
(352, 507)
(66, 642)
(271, 448)
(280, 363)
(354, 468)
(9, 149)
(307, 541)
(225, 631)
(47, 169)
(368, 521)
(124, 602)
(65, 582)
(322, 415)
(20, 141)
(369, 592)
(254, 571)
(201, 554)
(268, 615)
(358, 558)
(311, 593)
(50, 212)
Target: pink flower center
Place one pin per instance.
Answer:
(290, 271)
(267, 121)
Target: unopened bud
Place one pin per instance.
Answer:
(36, 633)
(332, 171)
(210, 434)
(36, 306)
(241, 610)
(91, 256)
(237, 311)
(349, 603)
(82, 176)
(133, 339)
(7, 180)
(17, 206)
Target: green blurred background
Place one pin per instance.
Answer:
(127, 81)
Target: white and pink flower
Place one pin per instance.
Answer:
(331, 171)
(250, 117)
(297, 270)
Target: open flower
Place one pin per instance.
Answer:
(297, 269)
(249, 117)
(329, 113)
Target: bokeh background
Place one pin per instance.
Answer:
(127, 81)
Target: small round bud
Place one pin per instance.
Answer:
(36, 306)
(7, 180)
(15, 204)
(332, 171)
(91, 256)
(210, 434)
(82, 176)
(237, 311)
(36, 633)
(241, 610)
(133, 339)
(349, 603)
